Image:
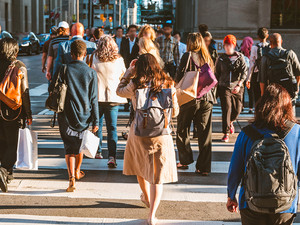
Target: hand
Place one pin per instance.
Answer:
(95, 129)
(248, 84)
(236, 89)
(48, 75)
(232, 205)
(133, 62)
(44, 69)
(29, 122)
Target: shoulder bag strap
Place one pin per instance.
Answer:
(252, 132)
(188, 61)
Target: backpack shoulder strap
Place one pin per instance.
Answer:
(289, 125)
(252, 132)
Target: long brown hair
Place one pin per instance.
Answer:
(274, 108)
(196, 43)
(149, 73)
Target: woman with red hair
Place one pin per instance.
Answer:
(231, 72)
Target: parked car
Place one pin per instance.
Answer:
(43, 38)
(28, 43)
(5, 34)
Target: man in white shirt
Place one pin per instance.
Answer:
(119, 37)
(257, 51)
(181, 46)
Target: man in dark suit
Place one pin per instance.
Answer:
(129, 47)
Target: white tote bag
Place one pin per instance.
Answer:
(90, 144)
(27, 153)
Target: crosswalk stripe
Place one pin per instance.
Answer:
(101, 165)
(15, 219)
(39, 90)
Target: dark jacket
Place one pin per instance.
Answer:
(230, 73)
(26, 106)
(213, 53)
(64, 52)
(81, 107)
(211, 95)
(278, 52)
(125, 51)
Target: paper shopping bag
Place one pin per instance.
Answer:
(90, 144)
(27, 152)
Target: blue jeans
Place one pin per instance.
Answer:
(111, 117)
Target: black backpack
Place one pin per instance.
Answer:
(281, 72)
(261, 51)
(269, 180)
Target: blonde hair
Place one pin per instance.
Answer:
(195, 43)
(107, 49)
(145, 28)
(146, 45)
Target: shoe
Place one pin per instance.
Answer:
(79, 175)
(99, 155)
(225, 138)
(250, 111)
(232, 130)
(152, 221)
(147, 204)
(204, 174)
(112, 162)
(10, 178)
(71, 187)
(182, 167)
(3, 179)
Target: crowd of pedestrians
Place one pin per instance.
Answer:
(146, 68)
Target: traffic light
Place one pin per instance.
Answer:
(110, 19)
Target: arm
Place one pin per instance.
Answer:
(181, 68)
(44, 58)
(244, 72)
(26, 105)
(126, 87)
(296, 67)
(176, 54)
(175, 111)
(218, 68)
(49, 66)
(253, 57)
(237, 166)
(94, 99)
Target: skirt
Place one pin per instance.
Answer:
(72, 139)
(151, 158)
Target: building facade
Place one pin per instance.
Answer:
(241, 18)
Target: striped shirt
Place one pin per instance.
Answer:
(53, 47)
(168, 49)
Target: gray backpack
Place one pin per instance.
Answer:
(269, 180)
(153, 112)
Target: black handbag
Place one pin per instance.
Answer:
(57, 97)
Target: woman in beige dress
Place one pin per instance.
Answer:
(151, 159)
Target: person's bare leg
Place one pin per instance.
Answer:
(79, 174)
(70, 160)
(145, 187)
(156, 191)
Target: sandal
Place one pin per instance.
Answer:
(143, 199)
(79, 175)
(152, 221)
(182, 167)
(71, 187)
(205, 174)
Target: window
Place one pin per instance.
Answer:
(285, 14)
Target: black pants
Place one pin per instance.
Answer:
(201, 112)
(255, 87)
(9, 136)
(250, 95)
(252, 218)
(171, 69)
(231, 105)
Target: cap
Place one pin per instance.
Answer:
(63, 24)
(53, 30)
